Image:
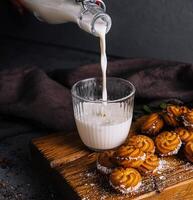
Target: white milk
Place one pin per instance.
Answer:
(103, 132)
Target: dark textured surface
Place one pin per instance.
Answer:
(17, 179)
(143, 28)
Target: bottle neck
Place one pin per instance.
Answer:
(93, 17)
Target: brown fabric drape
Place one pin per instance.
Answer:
(45, 100)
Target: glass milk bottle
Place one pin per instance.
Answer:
(86, 13)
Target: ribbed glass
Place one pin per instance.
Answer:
(103, 125)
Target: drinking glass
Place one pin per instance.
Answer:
(102, 124)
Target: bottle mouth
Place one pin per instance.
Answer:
(103, 19)
(93, 18)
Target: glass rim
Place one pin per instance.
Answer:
(101, 101)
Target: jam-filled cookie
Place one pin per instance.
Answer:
(184, 134)
(187, 119)
(168, 143)
(142, 142)
(150, 165)
(188, 150)
(125, 180)
(105, 162)
(152, 125)
(129, 156)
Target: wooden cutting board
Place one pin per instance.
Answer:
(72, 168)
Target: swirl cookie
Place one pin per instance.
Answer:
(125, 180)
(153, 124)
(150, 165)
(104, 162)
(187, 119)
(184, 109)
(129, 156)
(188, 150)
(168, 143)
(142, 142)
(171, 115)
(184, 134)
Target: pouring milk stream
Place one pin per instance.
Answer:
(102, 35)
